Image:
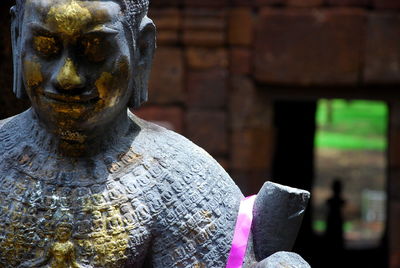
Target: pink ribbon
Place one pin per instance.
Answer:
(242, 233)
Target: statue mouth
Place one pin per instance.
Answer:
(81, 99)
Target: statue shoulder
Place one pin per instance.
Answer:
(168, 146)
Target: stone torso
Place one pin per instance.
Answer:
(153, 200)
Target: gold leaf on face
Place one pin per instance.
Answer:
(33, 74)
(69, 18)
(46, 45)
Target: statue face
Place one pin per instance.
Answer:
(76, 63)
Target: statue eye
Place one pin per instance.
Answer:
(93, 48)
(46, 46)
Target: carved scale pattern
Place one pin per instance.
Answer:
(154, 196)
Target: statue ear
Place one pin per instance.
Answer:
(146, 45)
(18, 84)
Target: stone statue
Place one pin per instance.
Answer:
(85, 183)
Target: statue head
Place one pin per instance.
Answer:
(81, 62)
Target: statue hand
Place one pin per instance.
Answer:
(283, 259)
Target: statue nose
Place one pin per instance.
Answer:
(68, 77)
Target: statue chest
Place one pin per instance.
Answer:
(98, 225)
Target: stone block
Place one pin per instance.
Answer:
(240, 61)
(168, 117)
(322, 47)
(382, 52)
(206, 3)
(304, 3)
(207, 88)
(168, 37)
(243, 3)
(203, 58)
(204, 27)
(240, 26)
(166, 18)
(251, 149)
(164, 3)
(358, 3)
(249, 108)
(166, 83)
(208, 129)
(261, 3)
(386, 4)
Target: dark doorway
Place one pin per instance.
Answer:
(294, 164)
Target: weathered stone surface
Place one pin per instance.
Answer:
(240, 61)
(268, 2)
(206, 3)
(251, 149)
(382, 49)
(203, 58)
(285, 211)
(207, 88)
(249, 107)
(208, 129)
(169, 23)
(167, 18)
(283, 260)
(319, 48)
(359, 3)
(165, 3)
(243, 2)
(166, 84)
(168, 117)
(240, 26)
(204, 27)
(304, 3)
(386, 4)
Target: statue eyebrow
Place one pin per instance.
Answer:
(102, 30)
(39, 27)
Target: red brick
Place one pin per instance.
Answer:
(169, 117)
(169, 24)
(164, 3)
(206, 3)
(360, 3)
(240, 26)
(203, 58)
(166, 83)
(261, 3)
(207, 89)
(167, 18)
(382, 53)
(246, 3)
(386, 4)
(168, 37)
(251, 149)
(208, 129)
(204, 38)
(204, 27)
(304, 3)
(240, 61)
(322, 47)
(249, 108)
